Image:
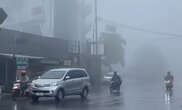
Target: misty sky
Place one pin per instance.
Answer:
(160, 15)
(156, 15)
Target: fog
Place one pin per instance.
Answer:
(154, 15)
(140, 39)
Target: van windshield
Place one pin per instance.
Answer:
(53, 75)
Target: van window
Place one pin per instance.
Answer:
(77, 74)
(83, 73)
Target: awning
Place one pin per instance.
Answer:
(21, 56)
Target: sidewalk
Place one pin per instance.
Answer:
(5, 95)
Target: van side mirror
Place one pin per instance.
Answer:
(67, 77)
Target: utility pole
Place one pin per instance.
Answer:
(96, 28)
(97, 65)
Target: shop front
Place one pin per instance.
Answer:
(7, 72)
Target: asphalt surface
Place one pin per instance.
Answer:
(136, 94)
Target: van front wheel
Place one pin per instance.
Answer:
(84, 94)
(35, 98)
(60, 95)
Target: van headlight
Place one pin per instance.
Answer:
(32, 84)
(54, 84)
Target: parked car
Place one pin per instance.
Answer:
(107, 78)
(61, 82)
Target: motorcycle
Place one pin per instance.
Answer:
(114, 88)
(169, 84)
(17, 89)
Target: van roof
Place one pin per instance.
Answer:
(66, 69)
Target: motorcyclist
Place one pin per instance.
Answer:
(169, 80)
(116, 81)
(24, 81)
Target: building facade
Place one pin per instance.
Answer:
(31, 16)
(34, 53)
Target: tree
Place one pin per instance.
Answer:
(113, 47)
(84, 12)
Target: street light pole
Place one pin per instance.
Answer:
(14, 53)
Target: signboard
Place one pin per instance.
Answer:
(3, 16)
(22, 63)
(67, 62)
(100, 48)
(51, 62)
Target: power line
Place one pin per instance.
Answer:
(141, 29)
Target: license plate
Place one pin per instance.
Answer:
(39, 94)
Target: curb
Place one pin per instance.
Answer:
(5, 94)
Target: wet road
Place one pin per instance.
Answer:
(98, 100)
(135, 95)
